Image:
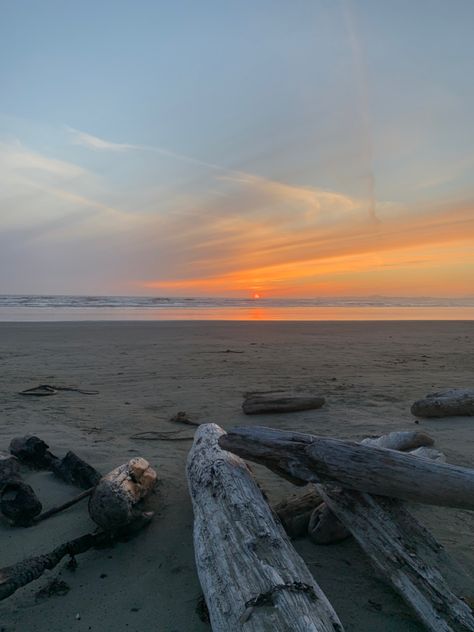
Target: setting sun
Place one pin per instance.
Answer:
(255, 296)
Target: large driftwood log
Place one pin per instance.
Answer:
(353, 466)
(306, 514)
(403, 552)
(34, 452)
(251, 576)
(259, 403)
(115, 501)
(325, 527)
(455, 402)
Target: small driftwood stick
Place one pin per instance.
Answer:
(303, 457)
(251, 576)
(18, 575)
(34, 452)
(115, 501)
(58, 508)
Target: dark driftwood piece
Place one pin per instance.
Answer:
(72, 469)
(455, 402)
(18, 501)
(294, 512)
(14, 577)
(252, 578)
(257, 404)
(403, 552)
(58, 508)
(354, 466)
(115, 501)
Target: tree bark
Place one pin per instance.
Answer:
(251, 576)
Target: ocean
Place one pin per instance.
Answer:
(91, 308)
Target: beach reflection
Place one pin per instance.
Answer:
(252, 313)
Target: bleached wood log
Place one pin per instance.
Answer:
(453, 402)
(401, 441)
(403, 552)
(353, 466)
(260, 403)
(115, 501)
(252, 578)
(325, 527)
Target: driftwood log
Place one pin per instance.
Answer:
(353, 466)
(115, 507)
(295, 512)
(18, 501)
(455, 402)
(34, 452)
(324, 527)
(251, 576)
(115, 501)
(18, 575)
(402, 551)
(260, 403)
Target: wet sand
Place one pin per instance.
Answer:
(369, 373)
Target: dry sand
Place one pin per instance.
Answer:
(370, 373)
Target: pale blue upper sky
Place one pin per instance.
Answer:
(131, 132)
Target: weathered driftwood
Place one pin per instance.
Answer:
(14, 577)
(115, 501)
(58, 508)
(256, 404)
(294, 512)
(453, 402)
(251, 576)
(401, 441)
(9, 467)
(34, 452)
(429, 453)
(353, 466)
(403, 552)
(18, 501)
(324, 527)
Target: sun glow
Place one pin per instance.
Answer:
(255, 296)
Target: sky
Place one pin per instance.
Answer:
(289, 148)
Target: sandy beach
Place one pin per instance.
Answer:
(370, 373)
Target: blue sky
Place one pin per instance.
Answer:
(147, 144)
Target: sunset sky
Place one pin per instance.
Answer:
(285, 147)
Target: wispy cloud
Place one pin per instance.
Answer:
(94, 142)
